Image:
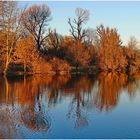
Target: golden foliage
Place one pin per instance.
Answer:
(110, 53)
(60, 66)
(132, 54)
(27, 54)
(110, 85)
(77, 53)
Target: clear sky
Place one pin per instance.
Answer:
(125, 16)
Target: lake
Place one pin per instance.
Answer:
(72, 106)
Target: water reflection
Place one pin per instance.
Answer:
(110, 86)
(25, 102)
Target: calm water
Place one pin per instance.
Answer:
(106, 106)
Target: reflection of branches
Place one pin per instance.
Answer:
(32, 112)
(36, 117)
(80, 116)
(35, 120)
(110, 86)
(10, 117)
(80, 91)
(55, 87)
(133, 85)
(31, 99)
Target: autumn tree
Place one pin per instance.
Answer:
(76, 26)
(77, 55)
(26, 54)
(21, 54)
(110, 53)
(9, 30)
(35, 19)
(132, 54)
(2, 52)
(60, 66)
(78, 50)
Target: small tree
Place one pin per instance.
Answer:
(77, 54)
(132, 54)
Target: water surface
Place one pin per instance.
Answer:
(86, 106)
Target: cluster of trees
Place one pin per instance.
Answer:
(27, 44)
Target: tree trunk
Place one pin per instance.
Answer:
(6, 67)
(6, 88)
(24, 67)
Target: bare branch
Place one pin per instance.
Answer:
(76, 28)
(35, 19)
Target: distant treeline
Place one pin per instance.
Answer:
(28, 45)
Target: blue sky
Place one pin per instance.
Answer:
(125, 16)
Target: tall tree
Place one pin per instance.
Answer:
(76, 26)
(9, 29)
(35, 19)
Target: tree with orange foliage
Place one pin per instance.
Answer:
(60, 66)
(78, 54)
(33, 60)
(132, 54)
(110, 52)
(10, 30)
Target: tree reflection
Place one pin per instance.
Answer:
(110, 86)
(133, 85)
(79, 90)
(25, 102)
(55, 88)
(8, 122)
(21, 106)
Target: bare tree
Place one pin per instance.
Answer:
(133, 43)
(9, 29)
(76, 28)
(92, 37)
(35, 19)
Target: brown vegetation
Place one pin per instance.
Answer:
(110, 53)
(28, 47)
